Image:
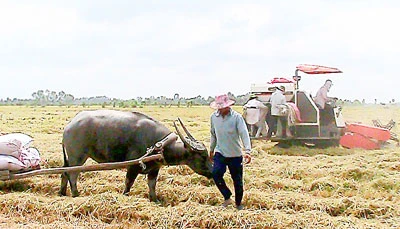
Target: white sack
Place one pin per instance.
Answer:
(10, 148)
(10, 163)
(30, 157)
(24, 139)
(12, 144)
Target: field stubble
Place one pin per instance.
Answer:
(297, 187)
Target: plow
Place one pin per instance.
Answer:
(13, 175)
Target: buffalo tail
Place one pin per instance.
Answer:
(66, 164)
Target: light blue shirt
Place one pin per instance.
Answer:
(228, 134)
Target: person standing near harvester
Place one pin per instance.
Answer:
(277, 99)
(255, 113)
(228, 134)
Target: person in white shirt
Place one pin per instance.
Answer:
(277, 99)
(255, 114)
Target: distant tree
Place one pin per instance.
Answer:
(35, 96)
(46, 92)
(61, 96)
(52, 96)
(40, 97)
(69, 98)
(134, 103)
(40, 93)
(210, 99)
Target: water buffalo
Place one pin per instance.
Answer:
(113, 136)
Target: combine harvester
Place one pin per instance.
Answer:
(305, 125)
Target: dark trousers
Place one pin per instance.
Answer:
(236, 169)
(274, 125)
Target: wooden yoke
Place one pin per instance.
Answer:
(170, 138)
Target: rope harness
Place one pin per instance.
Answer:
(158, 148)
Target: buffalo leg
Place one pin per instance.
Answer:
(72, 176)
(152, 181)
(64, 181)
(131, 175)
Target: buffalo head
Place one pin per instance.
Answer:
(196, 154)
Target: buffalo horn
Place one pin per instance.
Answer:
(186, 131)
(189, 141)
(180, 135)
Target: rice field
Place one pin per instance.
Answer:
(298, 187)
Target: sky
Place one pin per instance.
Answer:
(127, 49)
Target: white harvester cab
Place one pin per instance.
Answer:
(307, 124)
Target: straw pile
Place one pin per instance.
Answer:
(284, 188)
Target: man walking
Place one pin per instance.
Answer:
(228, 134)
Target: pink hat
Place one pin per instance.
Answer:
(221, 101)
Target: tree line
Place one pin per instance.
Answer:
(53, 98)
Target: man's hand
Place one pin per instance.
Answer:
(211, 156)
(247, 158)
